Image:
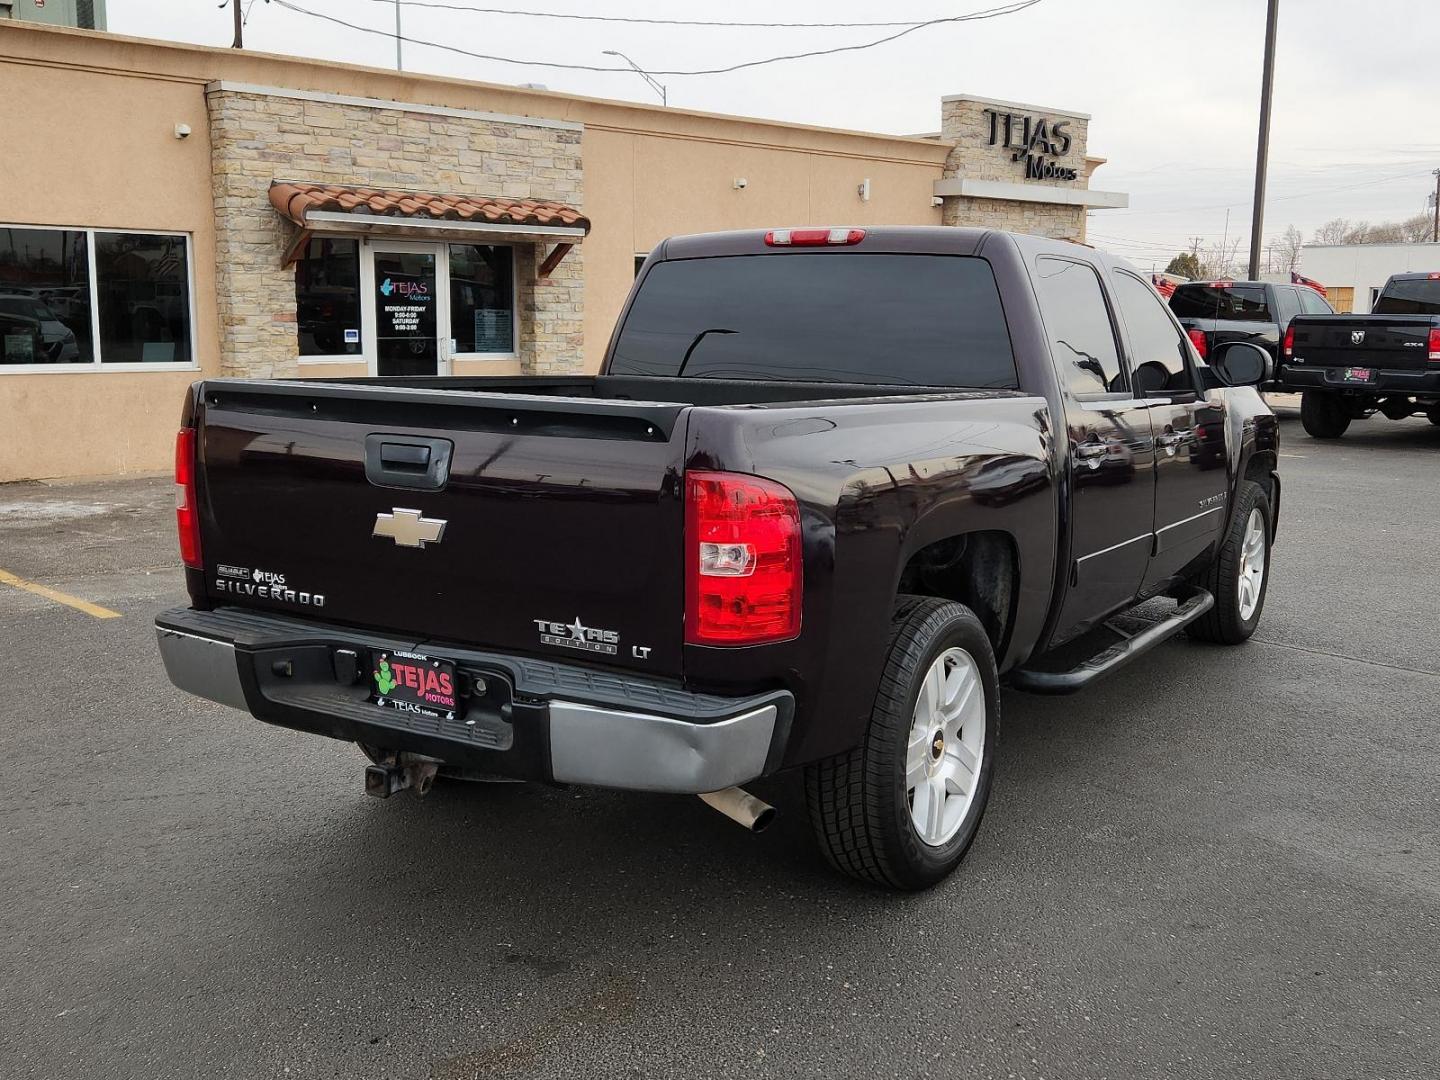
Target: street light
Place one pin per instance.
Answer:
(654, 85)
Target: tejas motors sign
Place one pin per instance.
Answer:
(1035, 140)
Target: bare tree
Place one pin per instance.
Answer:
(1413, 230)
(1333, 232)
(1287, 248)
(1387, 232)
(1418, 229)
(1221, 260)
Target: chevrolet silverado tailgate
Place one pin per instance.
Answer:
(534, 524)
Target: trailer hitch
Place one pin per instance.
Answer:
(397, 772)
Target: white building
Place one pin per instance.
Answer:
(1353, 273)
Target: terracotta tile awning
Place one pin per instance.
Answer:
(334, 207)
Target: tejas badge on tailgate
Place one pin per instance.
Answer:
(408, 528)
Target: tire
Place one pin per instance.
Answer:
(1323, 415)
(1237, 607)
(862, 805)
(1434, 415)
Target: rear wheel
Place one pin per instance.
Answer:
(1434, 415)
(1323, 416)
(901, 809)
(1239, 576)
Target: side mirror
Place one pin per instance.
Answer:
(1239, 363)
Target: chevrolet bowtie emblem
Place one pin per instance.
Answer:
(408, 529)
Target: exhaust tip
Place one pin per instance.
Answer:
(742, 808)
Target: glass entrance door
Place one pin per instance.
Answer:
(405, 299)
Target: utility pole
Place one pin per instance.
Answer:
(399, 64)
(1262, 149)
(239, 42)
(1435, 236)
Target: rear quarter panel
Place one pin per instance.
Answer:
(877, 482)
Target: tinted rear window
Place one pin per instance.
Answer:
(910, 320)
(1409, 296)
(1228, 303)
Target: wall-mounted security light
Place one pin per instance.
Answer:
(740, 183)
(864, 190)
(182, 131)
(936, 200)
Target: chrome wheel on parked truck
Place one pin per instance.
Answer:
(901, 809)
(1238, 577)
(946, 747)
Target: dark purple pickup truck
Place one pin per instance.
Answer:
(830, 490)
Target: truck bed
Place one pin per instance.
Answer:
(527, 513)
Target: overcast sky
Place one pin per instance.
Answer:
(1173, 85)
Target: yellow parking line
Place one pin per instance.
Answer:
(7, 578)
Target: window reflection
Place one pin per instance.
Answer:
(327, 297)
(144, 298)
(482, 298)
(44, 297)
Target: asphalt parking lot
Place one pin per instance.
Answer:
(1218, 863)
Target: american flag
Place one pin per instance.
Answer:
(1301, 279)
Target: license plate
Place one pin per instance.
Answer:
(412, 683)
(1358, 374)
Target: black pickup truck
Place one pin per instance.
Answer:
(1214, 313)
(1348, 367)
(830, 489)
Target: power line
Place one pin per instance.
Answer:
(975, 16)
(438, 5)
(1277, 198)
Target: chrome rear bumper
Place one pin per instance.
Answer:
(601, 743)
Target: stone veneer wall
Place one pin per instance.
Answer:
(257, 138)
(964, 123)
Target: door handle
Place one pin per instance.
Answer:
(1170, 441)
(1091, 454)
(407, 461)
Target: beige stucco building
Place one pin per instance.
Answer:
(173, 212)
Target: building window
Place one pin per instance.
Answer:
(482, 299)
(45, 297)
(327, 297)
(144, 298)
(91, 297)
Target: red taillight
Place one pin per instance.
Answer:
(1198, 338)
(1434, 349)
(1288, 349)
(1221, 284)
(187, 517)
(812, 237)
(742, 560)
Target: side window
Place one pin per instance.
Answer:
(1249, 304)
(1157, 351)
(1287, 304)
(1082, 339)
(1312, 303)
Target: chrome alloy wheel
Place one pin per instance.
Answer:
(946, 742)
(1252, 564)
